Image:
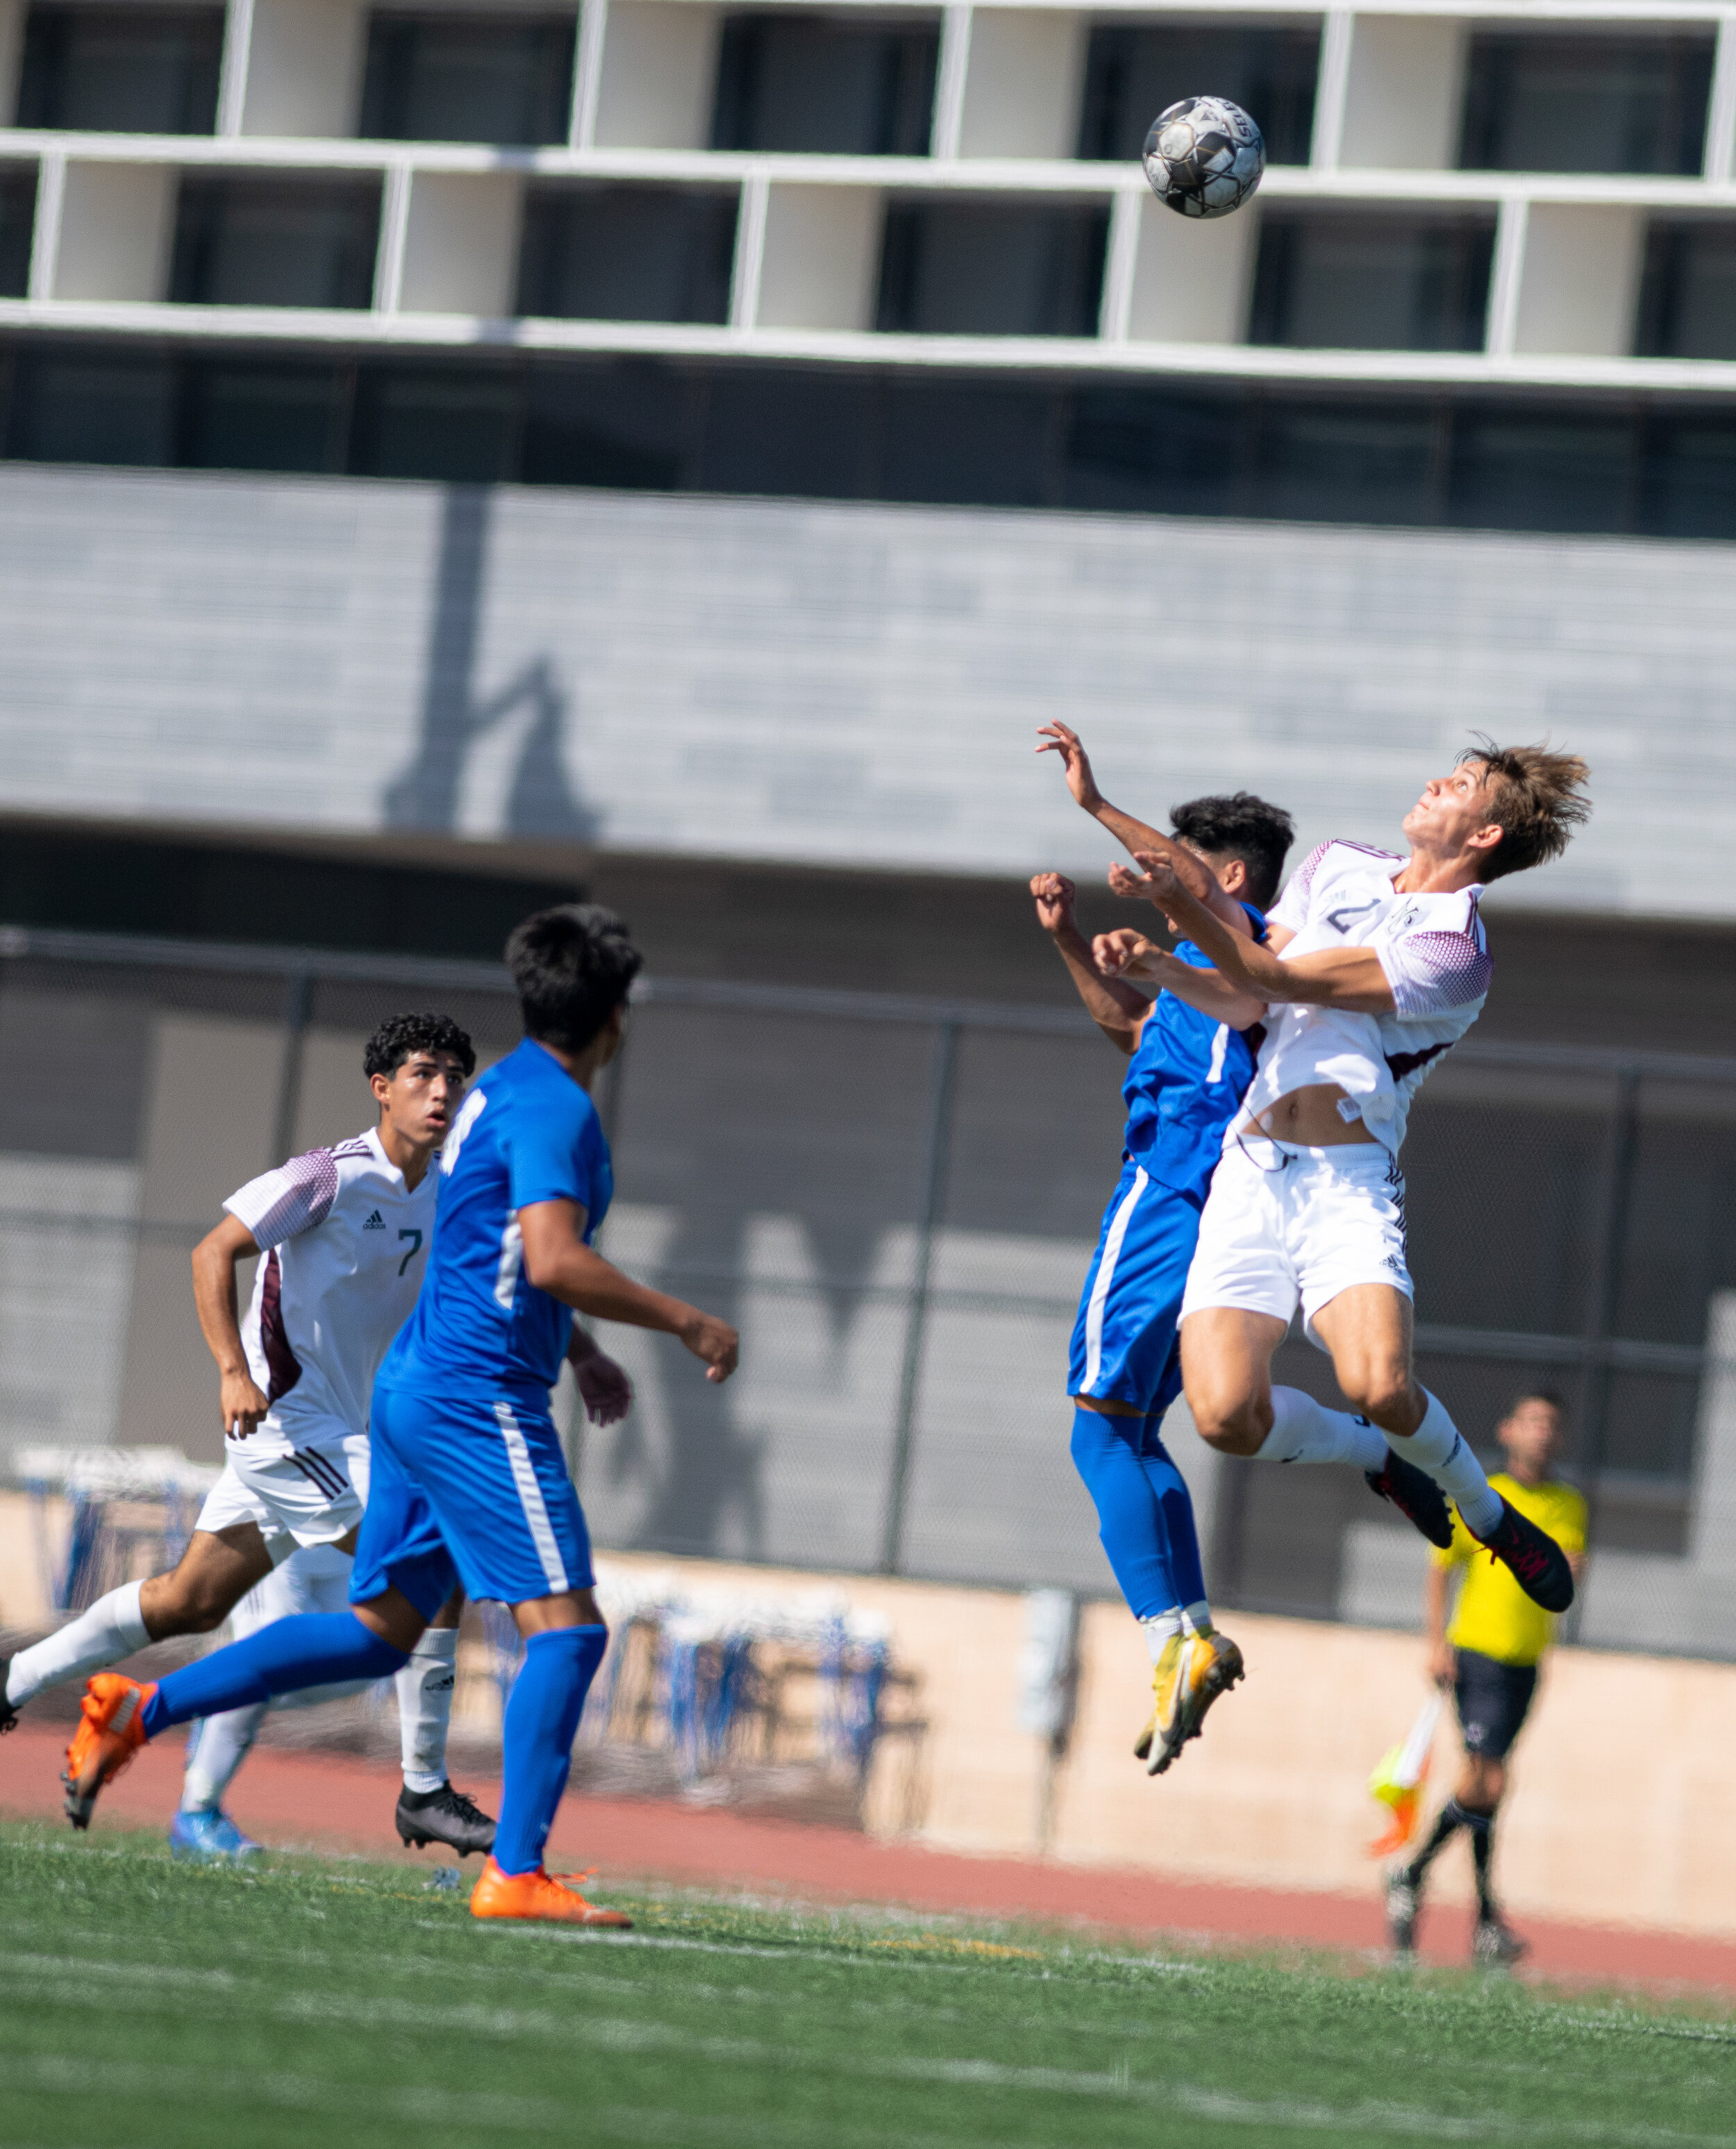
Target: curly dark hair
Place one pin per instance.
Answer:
(1238, 825)
(400, 1036)
(573, 966)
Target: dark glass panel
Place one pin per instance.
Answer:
(1582, 101)
(1135, 70)
(974, 266)
(1542, 468)
(625, 422)
(249, 414)
(1356, 282)
(468, 79)
(17, 226)
(823, 85)
(275, 242)
(121, 70)
(983, 443)
(1149, 447)
(1343, 462)
(627, 253)
(1688, 292)
(72, 406)
(456, 424)
(789, 430)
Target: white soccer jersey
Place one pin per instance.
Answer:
(345, 1246)
(1435, 956)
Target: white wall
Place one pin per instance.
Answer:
(116, 226)
(660, 60)
(1021, 93)
(304, 71)
(1403, 94)
(460, 244)
(853, 685)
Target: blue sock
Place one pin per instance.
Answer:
(1145, 1513)
(542, 1721)
(315, 1648)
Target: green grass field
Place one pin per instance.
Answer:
(143, 2003)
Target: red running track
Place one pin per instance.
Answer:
(328, 1802)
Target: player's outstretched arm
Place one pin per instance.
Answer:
(557, 1261)
(214, 1259)
(1118, 1010)
(1349, 977)
(1134, 835)
(1125, 954)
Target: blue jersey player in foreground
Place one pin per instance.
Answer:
(469, 1483)
(1190, 1069)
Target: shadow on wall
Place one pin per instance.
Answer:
(539, 797)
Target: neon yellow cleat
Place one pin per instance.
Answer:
(1193, 1671)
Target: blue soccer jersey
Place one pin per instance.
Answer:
(1185, 1083)
(526, 1132)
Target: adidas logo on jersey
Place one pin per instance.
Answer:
(375, 1222)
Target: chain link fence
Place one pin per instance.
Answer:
(895, 1200)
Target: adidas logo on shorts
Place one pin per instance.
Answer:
(375, 1222)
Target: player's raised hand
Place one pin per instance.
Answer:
(1125, 954)
(604, 1389)
(1054, 894)
(1062, 739)
(714, 1342)
(242, 1404)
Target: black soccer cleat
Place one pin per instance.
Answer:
(9, 1714)
(444, 1816)
(1403, 1899)
(1415, 1495)
(1536, 1562)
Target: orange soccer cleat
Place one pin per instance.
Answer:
(111, 1731)
(539, 1895)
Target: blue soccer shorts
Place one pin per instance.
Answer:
(1126, 1348)
(467, 1492)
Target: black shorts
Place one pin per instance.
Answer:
(1493, 1699)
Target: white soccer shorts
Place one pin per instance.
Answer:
(1285, 1226)
(313, 1495)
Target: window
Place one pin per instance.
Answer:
(944, 440)
(468, 79)
(825, 86)
(242, 414)
(248, 242)
(1345, 462)
(1155, 451)
(629, 423)
(1690, 475)
(456, 424)
(1542, 468)
(971, 266)
(1688, 293)
(605, 253)
(1352, 282)
(18, 225)
(92, 406)
(1585, 102)
(791, 431)
(1135, 70)
(121, 70)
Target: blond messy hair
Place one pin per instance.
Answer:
(1538, 800)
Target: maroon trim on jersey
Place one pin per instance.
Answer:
(1407, 1063)
(281, 1362)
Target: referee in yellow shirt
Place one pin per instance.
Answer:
(1489, 1657)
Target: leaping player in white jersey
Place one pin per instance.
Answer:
(1374, 965)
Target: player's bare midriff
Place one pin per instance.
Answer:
(1310, 1117)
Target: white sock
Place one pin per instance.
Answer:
(1196, 1619)
(1161, 1627)
(114, 1627)
(1304, 1431)
(1439, 1448)
(221, 1744)
(424, 1707)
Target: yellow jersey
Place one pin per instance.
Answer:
(1494, 1617)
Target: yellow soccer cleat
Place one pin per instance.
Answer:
(1193, 1671)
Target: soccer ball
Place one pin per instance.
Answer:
(1204, 157)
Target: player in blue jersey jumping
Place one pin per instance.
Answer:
(1190, 1069)
(470, 1484)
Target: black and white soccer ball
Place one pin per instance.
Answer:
(1204, 157)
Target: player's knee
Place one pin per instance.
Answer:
(1234, 1429)
(1379, 1389)
(195, 1609)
